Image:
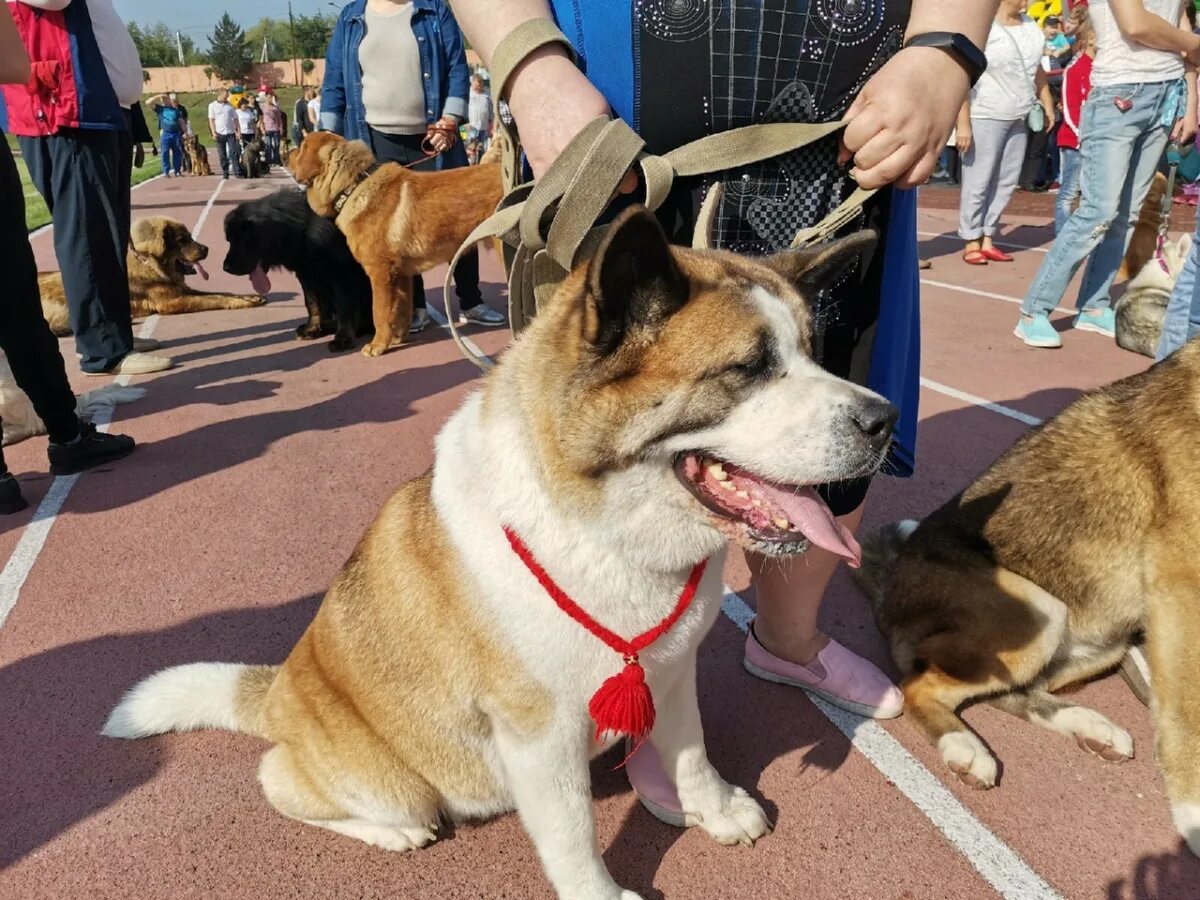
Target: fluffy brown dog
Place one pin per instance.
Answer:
(397, 222)
(1144, 240)
(162, 252)
(1044, 570)
(197, 155)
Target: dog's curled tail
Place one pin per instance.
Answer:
(200, 695)
(881, 550)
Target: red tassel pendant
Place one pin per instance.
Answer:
(624, 705)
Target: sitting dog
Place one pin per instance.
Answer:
(19, 421)
(1143, 306)
(281, 231)
(254, 159)
(397, 222)
(197, 155)
(1043, 571)
(661, 403)
(162, 252)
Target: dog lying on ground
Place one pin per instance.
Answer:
(281, 231)
(1143, 242)
(254, 159)
(663, 402)
(397, 222)
(197, 155)
(162, 252)
(1043, 571)
(1143, 306)
(19, 421)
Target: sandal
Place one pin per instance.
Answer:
(975, 258)
(995, 254)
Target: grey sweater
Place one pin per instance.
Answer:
(393, 89)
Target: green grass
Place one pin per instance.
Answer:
(36, 214)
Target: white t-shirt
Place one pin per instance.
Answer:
(246, 121)
(314, 107)
(1121, 61)
(1006, 90)
(223, 116)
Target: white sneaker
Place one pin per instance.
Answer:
(138, 364)
(420, 321)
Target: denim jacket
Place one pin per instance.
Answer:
(443, 62)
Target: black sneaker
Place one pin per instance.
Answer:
(94, 448)
(11, 500)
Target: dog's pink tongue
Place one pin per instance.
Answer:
(812, 518)
(260, 281)
(200, 271)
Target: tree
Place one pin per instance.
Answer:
(156, 46)
(313, 34)
(275, 31)
(307, 66)
(227, 53)
(208, 73)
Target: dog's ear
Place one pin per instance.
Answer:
(147, 237)
(633, 281)
(812, 269)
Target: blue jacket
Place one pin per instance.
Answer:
(443, 62)
(606, 44)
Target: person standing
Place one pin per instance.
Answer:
(396, 78)
(899, 105)
(1143, 93)
(300, 123)
(993, 126)
(313, 107)
(247, 122)
(170, 126)
(272, 128)
(223, 126)
(25, 338)
(72, 123)
(1077, 84)
(479, 116)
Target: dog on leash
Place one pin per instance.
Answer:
(281, 231)
(254, 159)
(1044, 572)
(1143, 307)
(397, 222)
(197, 155)
(19, 421)
(162, 253)
(663, 402)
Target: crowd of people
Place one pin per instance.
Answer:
(1086, 105)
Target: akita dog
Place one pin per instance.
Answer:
(662, 403)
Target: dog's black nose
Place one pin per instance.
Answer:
(876, 419)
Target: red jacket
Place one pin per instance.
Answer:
(1076, 85)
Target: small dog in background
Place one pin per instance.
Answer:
(197, 155)
(254, 159)
(19, 421)
(1143, 306)
(1143, 242)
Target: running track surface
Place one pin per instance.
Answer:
(261, 461)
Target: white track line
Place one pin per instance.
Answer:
(29, 547)
(989, 294)
(1001, 409)
(993, 859)
(440, 319)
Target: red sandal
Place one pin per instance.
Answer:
(975, 258)
(996, 255)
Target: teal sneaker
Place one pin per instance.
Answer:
(1105, 323)
(1036, 331)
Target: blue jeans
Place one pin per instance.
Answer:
(1068, 187)
(272, 139)
(1111, 142)
(172, 152)
(1182, 321)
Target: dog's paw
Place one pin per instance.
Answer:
(1187, 820)
(341, 344)
(252, 302)
(375, 348)
(1095, 733)
(308, 332)
(740, 820)
(969, 759)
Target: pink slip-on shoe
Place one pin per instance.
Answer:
(843, 678)
(654, 788)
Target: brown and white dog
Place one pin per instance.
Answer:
(663, 402)
(162, 253)
(398, 223)
(1043, 572)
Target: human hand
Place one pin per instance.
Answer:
(551, 102)
(442, 134)
(1051, 117)
(898, 124)
(1185, 129)
(963, 139)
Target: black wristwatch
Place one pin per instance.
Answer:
(957, 45)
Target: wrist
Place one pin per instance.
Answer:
(542, 68)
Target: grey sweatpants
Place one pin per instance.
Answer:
(990, 170)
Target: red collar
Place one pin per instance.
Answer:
(623, 704)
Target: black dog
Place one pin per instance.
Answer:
(254, 159)
(281, 231)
